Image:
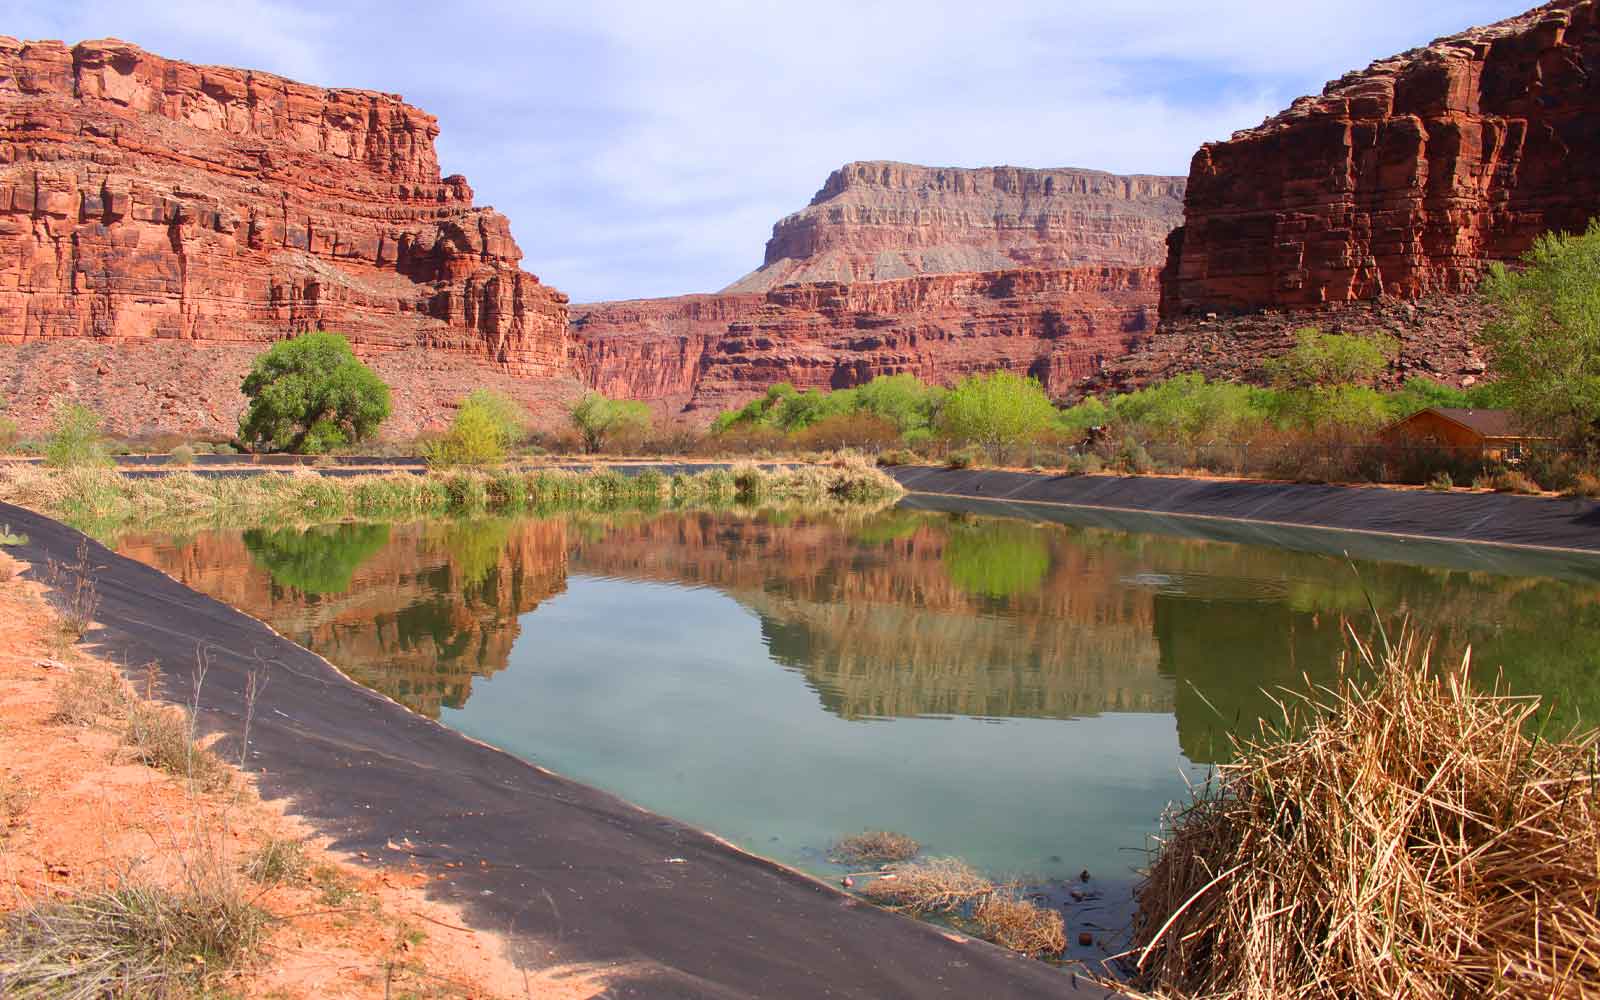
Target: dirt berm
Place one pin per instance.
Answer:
(1496, 518)
(571, 874)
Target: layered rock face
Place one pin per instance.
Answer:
(1401, 182)
(145, 201)
(897, 268)
(877, 221)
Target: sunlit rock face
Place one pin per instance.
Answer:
(151, 203)
(1379, 204)
(893, 268)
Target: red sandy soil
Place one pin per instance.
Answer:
(76, 815)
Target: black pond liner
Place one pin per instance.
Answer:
(570, 873)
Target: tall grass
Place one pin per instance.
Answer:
(101, 498)
(1412, 837)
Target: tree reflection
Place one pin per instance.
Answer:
(317, 560)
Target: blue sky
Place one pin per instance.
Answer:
(646, 147)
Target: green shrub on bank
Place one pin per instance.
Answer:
(486, 426)
(101, 498)
(75, 440)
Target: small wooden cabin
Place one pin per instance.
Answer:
(1494, 434)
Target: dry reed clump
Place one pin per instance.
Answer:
(1411, 840)
(874, 847)
(935, 885)
(1020, 924)
(137, 941)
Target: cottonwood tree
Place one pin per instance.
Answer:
(1545, 340)
(310, 394)
(996, 411)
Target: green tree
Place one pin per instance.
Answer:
(486, 425)
(310, 394)
(996, 411)
(1545, 340)
(1325, 382)
(599, 419)
(75, 438)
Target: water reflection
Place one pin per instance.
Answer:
(905, 613)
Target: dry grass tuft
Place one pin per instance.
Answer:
(135, 941)
(88, 696)
(276, 861)
(1020, 925)
(163, 738)
(1412, 840)
(935, 885)
(875, 847)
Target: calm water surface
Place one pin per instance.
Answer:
(1028, 696)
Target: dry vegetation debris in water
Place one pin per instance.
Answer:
(1020, 924)
(1416, 838)
(934, 885)
(874, 847)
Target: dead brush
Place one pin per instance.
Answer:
(935, 885)
(1410, 839)
(874, 847)
(1019, 924)
(277, 861)
(74, 592)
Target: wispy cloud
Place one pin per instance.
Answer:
(646, 148)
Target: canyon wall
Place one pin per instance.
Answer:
(895, 268)
(1379, 204)
(175, 210)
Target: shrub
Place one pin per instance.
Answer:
(599, 419)
(1084, 465)
(1512, 481)
(310, 394)
(848, 430)
(1584, 485)
(1134, 459)
(1412, 836)
(964, 458)
(485, 426)
(898, 456)
(181, 455)
(8, 428)
(873, 847)
(74, 591)
(75, 439)
(1020, 925)
(1442, 481)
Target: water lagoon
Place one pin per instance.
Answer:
(1028, 696)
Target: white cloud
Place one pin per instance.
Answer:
(645, 148)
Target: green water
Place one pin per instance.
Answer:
(1028, 696)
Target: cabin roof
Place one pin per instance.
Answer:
(1484, 423)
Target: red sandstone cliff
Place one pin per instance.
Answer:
(898, 268)
(877, 221)
(146, 202)
(1399, 184)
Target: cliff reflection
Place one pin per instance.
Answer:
(901, 613)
